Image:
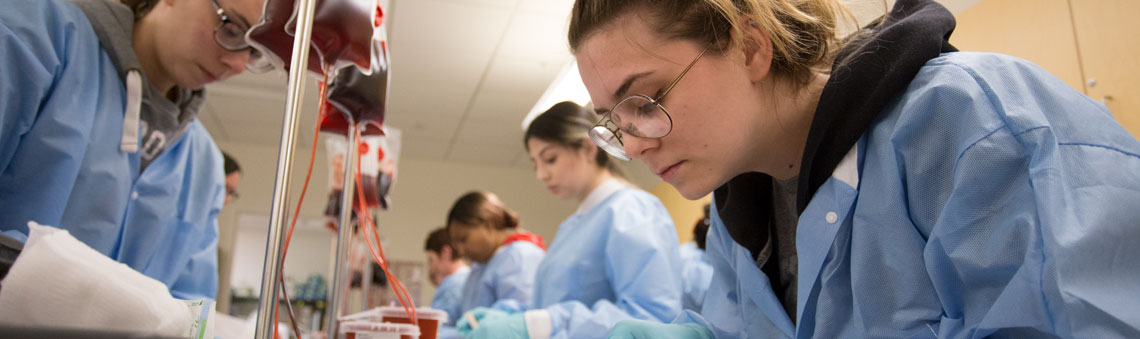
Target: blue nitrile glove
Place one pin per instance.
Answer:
(509, 327)
(630, 329)
(481, 315)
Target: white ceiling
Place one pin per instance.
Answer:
(464, 74)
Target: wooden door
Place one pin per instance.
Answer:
(1108, 38)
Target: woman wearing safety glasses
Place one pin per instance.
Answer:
(99, 132)
(615, 258)
(898, 189)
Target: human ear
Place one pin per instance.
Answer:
(757, 49)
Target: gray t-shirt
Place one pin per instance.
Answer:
(781, 244)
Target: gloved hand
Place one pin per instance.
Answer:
(500, 327)
(481, 315)
(630, 329)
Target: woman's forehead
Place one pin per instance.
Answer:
(618, 51)
(539, 146)
(617, 45)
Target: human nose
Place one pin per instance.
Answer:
(635, 147)
(236, 61)
(541, 173)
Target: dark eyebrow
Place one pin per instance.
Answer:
(620, 92)
(542, 153)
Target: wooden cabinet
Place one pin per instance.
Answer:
(1108, 37)
(1092, 45)
(1036, 30)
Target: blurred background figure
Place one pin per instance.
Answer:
(615, 258)
(696, 272)
(448, 273)
(504, 257)
(233, 177)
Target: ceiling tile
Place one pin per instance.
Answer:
(426, 125)
(502, 134)
(481, 154)
(423, 148)
(513, 73)
(493, 4)
(512, 88)
(503, 106)
(452, 24)
(425, 81)
(536, 35)
(548, 7)
(437, 65)
(446, 71)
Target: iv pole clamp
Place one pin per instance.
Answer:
(267, 302)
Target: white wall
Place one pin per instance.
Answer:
(309, 249)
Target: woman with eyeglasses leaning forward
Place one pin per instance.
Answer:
(899, 189)
(99, 132)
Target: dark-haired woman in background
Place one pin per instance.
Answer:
(615, 258)
(503, 256)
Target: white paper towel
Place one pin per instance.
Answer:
(57, 281)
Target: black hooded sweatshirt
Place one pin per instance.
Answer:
(873, 67)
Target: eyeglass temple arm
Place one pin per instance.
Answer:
(678, 79)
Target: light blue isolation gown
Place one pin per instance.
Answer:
(508, 275)
(449, 293)
(696, 275)
(615, 259)
(62, 106)
(1019, 219)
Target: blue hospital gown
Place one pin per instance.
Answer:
(989, 199)
(61, 121)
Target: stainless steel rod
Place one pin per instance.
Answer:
(343, 242)
(267, 303)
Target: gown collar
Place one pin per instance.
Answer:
(600, 193)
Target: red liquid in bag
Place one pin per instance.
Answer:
(335, 121)
(269, 34)
(362, 97)
(342, 31)
(371, 197)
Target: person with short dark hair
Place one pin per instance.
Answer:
(448, 273)
(233, 177)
